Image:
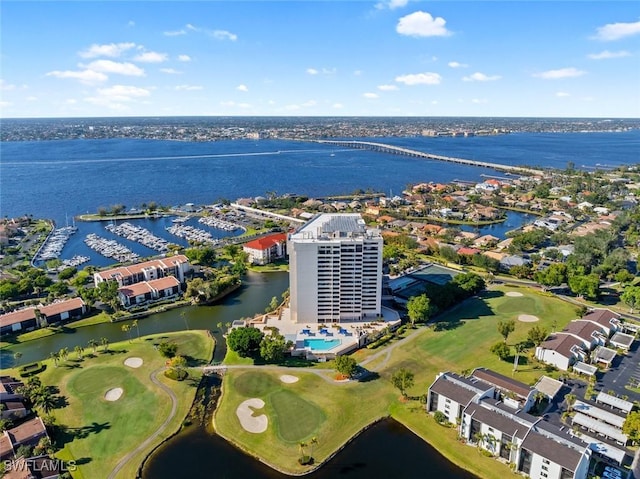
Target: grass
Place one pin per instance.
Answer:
(51, 330)
(347, 408)
(98, 433)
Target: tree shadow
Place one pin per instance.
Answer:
(447, 325)
(65, 435)
(60, 402)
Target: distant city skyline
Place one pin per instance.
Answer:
(320, 58)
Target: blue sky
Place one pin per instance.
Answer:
(320, 58)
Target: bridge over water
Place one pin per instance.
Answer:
(398, 150)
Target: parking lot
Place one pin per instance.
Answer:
(624, 371)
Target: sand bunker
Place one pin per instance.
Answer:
(528, 318)
(133, 362)
(249, 422)
(113, 394)
(287, 378)
(514, 294)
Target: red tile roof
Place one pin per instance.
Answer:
(62, 306)
(266, 242)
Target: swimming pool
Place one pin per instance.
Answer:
(318, 344)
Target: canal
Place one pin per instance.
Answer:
(253, 297)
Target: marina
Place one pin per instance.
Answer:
(55, 243)
(76, 260)
(139, 235)
(191, 234)
(214, 222)
(110, 248)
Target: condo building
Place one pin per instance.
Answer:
(335, 270)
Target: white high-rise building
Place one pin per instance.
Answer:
(335, 270)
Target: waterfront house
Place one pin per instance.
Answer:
(31, 318)
(451, 393)
(146, 292)
(177, 266)
(266, 249)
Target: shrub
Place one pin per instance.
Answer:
(441, 418)
(31, 369)
(176, 374)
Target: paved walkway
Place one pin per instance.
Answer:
(174, 406)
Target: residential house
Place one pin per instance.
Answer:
(31, 318)
(562, 350)
(29, 433)
(451, 393)
(149, 291)
(513, 393)
(177, 265)
(266, 249)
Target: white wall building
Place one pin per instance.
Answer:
(335, 270)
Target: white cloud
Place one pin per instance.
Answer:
(109, 66)
(387, 87)
(6, 86)
(457, 65)
(32, 98)
(479, 101)
(329, 71)
(312, 71)
(292, 107)
(422, 24)
(242, 88)
(370, 96)
(477, 76)
(184, 58)
(123, 92)
(5, 104)
(605, 55)
(151, 57)
(570, 72)
(309, 103)
(562, 94)
(357, 73)
(427, 78)
(188, 88)
(107, 50)
(131, 24)
(616, 31)
(174, 33)
(88, 77)
(171, 71)
(224, 35)
(337, 105)
(391, 4)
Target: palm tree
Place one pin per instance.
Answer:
(55, 358)
(127, 329)
(570, 399)
(478, 437)
(105, 343)
(93, 344)
(46, 401)
(78, 350)
(16, 356)
(301, 447)
(312, 442)
(135, 324)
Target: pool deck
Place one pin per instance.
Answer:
(352, 335)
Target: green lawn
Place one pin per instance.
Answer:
(347, 408)
(98, 433)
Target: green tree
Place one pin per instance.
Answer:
(554, 275)
(585, 286)
(245, 341)
(537, 335)
(167, 350)
(107, 292)
(418, 309)
(134, 324)
(402, 380)
(93, 344)
(631, 426)
(79, 350)
(105, 344)
(631, 297)
(273, 347)
(502, 350)
(178, 362)
(506, 327)
(54, 356)
(16, 356)
(45, 400)
(127, 329)
(570, 399)
(346, 365)
(273, 305)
